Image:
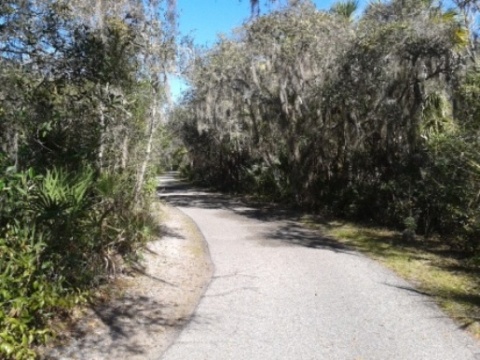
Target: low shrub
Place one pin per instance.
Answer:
(61, 234)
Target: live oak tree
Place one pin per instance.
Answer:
(355, 116)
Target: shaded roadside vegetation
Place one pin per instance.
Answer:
(372, 118)
(82, 96)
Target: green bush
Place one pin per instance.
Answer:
(30, 289)
(31, 285)
(61, 234)
(122, 228)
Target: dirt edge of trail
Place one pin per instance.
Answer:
(156, 302)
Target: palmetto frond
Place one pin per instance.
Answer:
(345, 8)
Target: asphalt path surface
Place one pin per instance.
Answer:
(281, 291)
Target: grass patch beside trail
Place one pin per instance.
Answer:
(448, 276)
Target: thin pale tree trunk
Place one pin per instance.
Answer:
(124, 153)
(101, 148)
(15, 148)
(148, 151)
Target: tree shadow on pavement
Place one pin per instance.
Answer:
(295, 234)
(470, 301)
(288, 231)
(181, 194)
(165, 231)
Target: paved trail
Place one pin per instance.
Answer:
(282, 292)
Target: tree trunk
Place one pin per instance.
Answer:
(124, 153)
(15, 149)
(148, 151)
(101, 147)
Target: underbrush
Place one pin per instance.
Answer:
(61, 235)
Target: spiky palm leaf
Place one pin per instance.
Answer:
(345, 8)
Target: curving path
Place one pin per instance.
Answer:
(280, 291)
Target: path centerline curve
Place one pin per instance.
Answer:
(281, 291)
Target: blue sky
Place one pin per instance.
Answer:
(203, 20)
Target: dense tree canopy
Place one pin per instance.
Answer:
(370, 118)
(373, 117)
(83, 94)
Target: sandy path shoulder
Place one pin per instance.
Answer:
(156, 304)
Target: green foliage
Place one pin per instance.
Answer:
(62, 207)
(451, 190)
(60, 234)
(467, 95)
(375, 120)
(82, 89)
(345, 9)
(32, 284)
(29, 291)
(122, 227)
